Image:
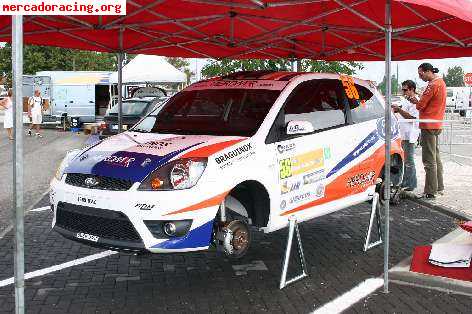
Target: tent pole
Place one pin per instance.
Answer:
(388, 134)
(120, 91)
(120, 83)
(17, 215)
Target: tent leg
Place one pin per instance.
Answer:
(374, 214)
(17, 217)
(293, 227)
(388, 134)
(120, 91)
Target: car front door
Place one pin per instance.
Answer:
(309, 165)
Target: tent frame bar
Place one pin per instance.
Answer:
(18, 184)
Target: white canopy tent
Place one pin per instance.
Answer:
(149, 69)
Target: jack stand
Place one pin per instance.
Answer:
(375, 213)
(293, 227)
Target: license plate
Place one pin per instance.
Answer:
(86, 236)
(114, 127)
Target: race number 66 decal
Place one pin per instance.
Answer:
(285, 168)
(349, 87)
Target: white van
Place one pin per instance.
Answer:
(459, 99)
(251, 148)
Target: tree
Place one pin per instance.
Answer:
(182, 65)
(454, 77)
(395, 86)
(39, 58)
(226, 66)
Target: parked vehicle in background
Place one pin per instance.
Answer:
(458, 100)
(83, 95)
(246, 149)
(133, 110)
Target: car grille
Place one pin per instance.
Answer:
(99, 222)
(104, 183)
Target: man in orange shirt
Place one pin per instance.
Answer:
(431, 106)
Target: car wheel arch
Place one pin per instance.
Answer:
(254, 196)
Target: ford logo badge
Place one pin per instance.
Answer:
(91, 182)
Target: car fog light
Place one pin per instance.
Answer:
(169, 229)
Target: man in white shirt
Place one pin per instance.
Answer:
(409, 132)
(35, 112)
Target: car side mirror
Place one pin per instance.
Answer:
(299, 127)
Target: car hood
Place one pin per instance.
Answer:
(132, 156)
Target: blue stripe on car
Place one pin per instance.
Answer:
(198, 237)
(363, 146)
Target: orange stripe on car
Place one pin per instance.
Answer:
(211, 149)
(216, 200)
(333, 191)
(337, 188)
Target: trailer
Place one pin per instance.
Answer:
(84, 95)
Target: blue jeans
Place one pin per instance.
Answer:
(409, 177)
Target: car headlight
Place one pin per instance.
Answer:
(177, 175)
(65, 162)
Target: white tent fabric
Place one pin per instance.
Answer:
(147, 69)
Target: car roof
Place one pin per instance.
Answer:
(282, 76)
(276, 75)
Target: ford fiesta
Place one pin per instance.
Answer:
(247, 149)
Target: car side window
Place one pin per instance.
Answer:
(367, 107)
(320, 102)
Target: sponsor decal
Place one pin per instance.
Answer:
(313, 177)
(86, 200)
(327, 153)
(290, 187)
(381, 128)
(320, 190)
(122, 161)
(361, 179)
(143, 206)
(233, 154)
(91, 182)
(296, 129)
(299, 198)
(301, 163)
(285, 168)
(86, 236)
(83, 157)
(146, 162)
(282, 148)
(248, 84)
(157, 144)
(283, 204)
(365, 145)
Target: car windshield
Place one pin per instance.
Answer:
(130, 108)
(228, 112)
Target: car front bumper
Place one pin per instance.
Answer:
(117, 219)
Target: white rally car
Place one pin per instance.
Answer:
(251, 148)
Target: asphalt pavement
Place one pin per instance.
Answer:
(41, 159)
(68, 277)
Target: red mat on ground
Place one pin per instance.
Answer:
(420, 264)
